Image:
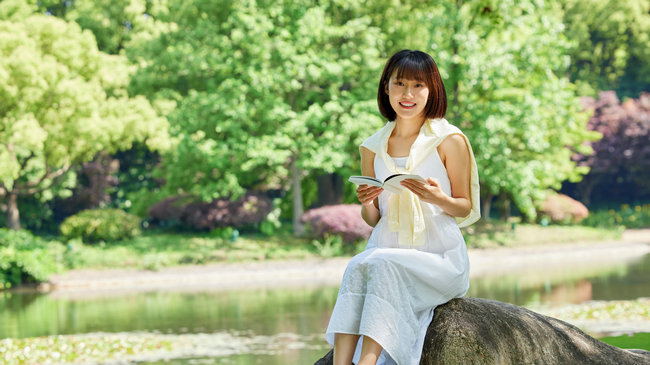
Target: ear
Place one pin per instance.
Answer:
(386, 88)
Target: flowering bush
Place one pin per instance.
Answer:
(344, 220)
(619, 168)
(252, 208)
(101, 225)
(561, 208)
(628, 217)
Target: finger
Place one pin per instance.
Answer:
(413, 183)
(414, 188)
(369, 199)
(375, 193)
(432, 182)
(370, 194)
(415, 191)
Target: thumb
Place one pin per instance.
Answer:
(432, 182)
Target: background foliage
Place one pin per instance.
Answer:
(218, 98)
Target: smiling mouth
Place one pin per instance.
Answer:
(407, 105)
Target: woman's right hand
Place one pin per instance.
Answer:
(368, 193)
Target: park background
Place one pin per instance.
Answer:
(151, 134)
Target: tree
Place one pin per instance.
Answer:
(504, 64)
(61, 102)
(115, 23)
(266, 92)
(611, 45)
(620, 167)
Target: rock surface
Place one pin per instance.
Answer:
(482, 331)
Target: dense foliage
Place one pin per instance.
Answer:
(63, 101)
(267, 96)
(612, 46)
(25, 258)
(506, 67)
(96, 225)
(627, 216)
(187, 211)
(619, 168)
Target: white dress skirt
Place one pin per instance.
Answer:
(388, 292)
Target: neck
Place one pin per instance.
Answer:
(407, 127)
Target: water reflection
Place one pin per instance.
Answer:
(300, 312)
(575, 284)
(264, 312)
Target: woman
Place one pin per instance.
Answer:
(416, 258)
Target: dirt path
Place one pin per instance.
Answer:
(318, 272)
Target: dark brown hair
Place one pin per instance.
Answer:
(414, 65)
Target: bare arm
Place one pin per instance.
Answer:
(454, 154)
(368, 194)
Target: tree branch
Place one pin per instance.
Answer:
(31, 187)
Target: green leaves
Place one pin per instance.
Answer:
(249, 88)
(505, 66)
(62, 102)
(260, 87)
(611, 45)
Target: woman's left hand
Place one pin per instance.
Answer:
(429, 192)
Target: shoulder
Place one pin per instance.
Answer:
(455, 140)
(365, 152)
(454, 146)
(373, 142)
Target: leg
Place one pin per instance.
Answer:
(370, 351)
(344, 346)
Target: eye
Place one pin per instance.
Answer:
(419, 85)
(399, 83)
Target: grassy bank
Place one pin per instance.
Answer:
(27, 259)
(501, 234)
(155, 250)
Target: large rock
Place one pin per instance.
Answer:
(482, 331)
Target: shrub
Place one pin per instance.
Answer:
(344, 220)
(560, 208)
(627, 216)
(25, 258)
(101, 225)
(252, 208)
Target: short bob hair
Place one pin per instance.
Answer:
(413, 65)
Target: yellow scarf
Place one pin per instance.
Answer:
(404, 210)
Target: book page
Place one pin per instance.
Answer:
(365, 180)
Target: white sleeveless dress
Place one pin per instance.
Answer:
(388, 292)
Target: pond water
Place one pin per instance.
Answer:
(282, 326)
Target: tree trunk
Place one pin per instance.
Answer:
(330, 189)
(505, 206)
(13, 215)
(296, 188)
(585, 188)
(487, 205)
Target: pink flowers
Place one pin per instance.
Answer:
(344, 220)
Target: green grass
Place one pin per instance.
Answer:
(501, 234)
(633, 341)
(158, 249)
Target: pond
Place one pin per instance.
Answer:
(280, 326)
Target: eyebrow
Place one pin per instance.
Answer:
(404, 78)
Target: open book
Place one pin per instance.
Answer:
(392, 183)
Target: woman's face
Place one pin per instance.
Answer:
(407, 97)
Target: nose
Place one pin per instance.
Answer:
(408, 91)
